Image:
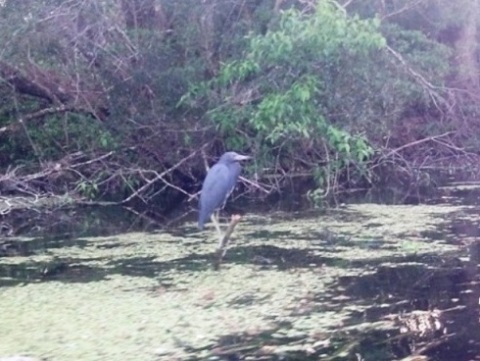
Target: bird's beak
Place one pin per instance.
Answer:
(240, 157)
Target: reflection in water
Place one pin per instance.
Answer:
(435, 306)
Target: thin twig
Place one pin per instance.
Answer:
(160, 176)
(417, 142)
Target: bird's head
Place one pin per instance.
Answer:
(230, 157)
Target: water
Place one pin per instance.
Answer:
(361, 282)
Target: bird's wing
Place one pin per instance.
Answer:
(215, 189)
(216, 186)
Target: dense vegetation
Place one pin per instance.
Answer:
(128, 100)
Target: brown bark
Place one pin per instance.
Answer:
(55, 89)
(34, 84)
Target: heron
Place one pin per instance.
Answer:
(217, 186)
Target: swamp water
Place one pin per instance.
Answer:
(365, 282)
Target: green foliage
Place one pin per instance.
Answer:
(420, 52)
(88, 189)
(280, 90)
(288, 113)
(69, 133)
(309, 88)
(351, 148)
(55, 137)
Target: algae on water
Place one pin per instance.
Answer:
(140, 296)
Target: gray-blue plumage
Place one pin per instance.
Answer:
(218, 184)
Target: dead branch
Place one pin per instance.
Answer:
(90, 161)
(161, 176)
(417, 142)
(429, 87)
(37, 114)
(27, 85)
(408, 6)
(222, 249)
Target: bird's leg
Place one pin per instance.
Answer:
(215, 220)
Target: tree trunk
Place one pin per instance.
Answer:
(466, 48)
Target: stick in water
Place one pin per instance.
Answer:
(222, 247)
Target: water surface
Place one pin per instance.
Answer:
(360, 282)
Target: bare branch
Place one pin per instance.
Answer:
(37, 114)
(160, 176)
(429, 87)
(408, 6)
